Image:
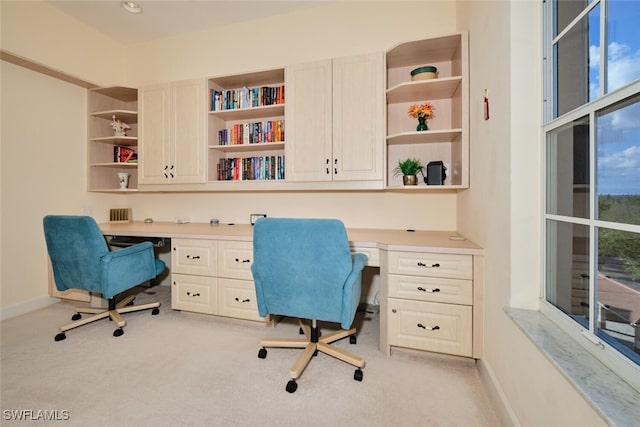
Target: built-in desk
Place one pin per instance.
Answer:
(431, 295)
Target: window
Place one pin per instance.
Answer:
(592, 176)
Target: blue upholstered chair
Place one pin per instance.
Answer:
(303, 268)
(81, 259)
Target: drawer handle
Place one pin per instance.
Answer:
(422, 264)
(242, 260)
(189, 294)
(193, 257)
(243, 300)
(420, 288)
(431, 328)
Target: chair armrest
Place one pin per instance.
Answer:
(125, 268)
(352, 290)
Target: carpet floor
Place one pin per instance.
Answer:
(187, 369)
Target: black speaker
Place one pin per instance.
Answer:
(436, 173)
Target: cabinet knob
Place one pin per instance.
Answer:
(393, 310)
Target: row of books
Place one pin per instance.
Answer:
(124, 155)
(251, 168)
(246, 97)
(252, 133)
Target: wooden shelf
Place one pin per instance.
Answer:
(249, 113)
(114, 165)
(123, 115)
(118, 140)
(265, 146)
(418, 91)
(429, 136)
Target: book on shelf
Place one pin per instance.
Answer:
(124, 154)
(246, 97)
(255, 168)
(252, 133)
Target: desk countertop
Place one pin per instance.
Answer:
(388, 239)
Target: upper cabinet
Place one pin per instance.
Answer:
(246, 129)
(447, 139)
(336, 124)
(172, 133)
(113, 138)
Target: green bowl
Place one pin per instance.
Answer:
(423, 73)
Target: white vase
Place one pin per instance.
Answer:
(123, 179)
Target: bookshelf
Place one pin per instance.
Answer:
(103, 104)
(246, 127)
(448, 136)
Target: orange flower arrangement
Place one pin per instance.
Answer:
(422, 110)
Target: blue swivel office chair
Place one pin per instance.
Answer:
(304, 268)
(81, 259)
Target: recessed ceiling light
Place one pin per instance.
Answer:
(131, 6)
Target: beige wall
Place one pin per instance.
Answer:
(43, 153)
(505, 39)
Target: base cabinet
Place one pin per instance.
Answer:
(213, 277)
(432, 302)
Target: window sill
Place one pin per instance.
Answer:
(612, 398)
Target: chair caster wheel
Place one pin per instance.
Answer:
(262, 353)
(76, 316)
(155, 311)
(292, 386)
(61, 336)
(352, 339)
(118, 332)
(357, 375)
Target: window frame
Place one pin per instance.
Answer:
(588, 338)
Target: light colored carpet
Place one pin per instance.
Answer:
(186, 369)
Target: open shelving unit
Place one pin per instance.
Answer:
(245, 152)
(104, 103)
(447, 139)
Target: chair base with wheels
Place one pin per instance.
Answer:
(113, 312)
(312, 344)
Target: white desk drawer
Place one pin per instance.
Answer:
(373, 255)
(436, 289)
(193, 293)
(444, 328)
(432, 265)
(193, 256)
(237, 298)
(235, 259)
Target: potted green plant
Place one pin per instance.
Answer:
(409, 168)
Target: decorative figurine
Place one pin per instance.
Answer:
(119, 127)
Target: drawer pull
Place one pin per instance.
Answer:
(193, 257)
(422, 264)
(431, 328)
(242, 260)
(197, 294)
(243, 300)
(420, 288)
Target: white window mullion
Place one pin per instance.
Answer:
(604, 50)
(593, 242)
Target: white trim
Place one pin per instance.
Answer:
(496, 395)
(26, 307)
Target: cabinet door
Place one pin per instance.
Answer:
(358, 117)
(188, 130)
(308, 115)
(153, 146)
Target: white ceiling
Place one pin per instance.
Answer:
(168, 18)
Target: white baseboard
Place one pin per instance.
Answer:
(498, 399)
(26, 307)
